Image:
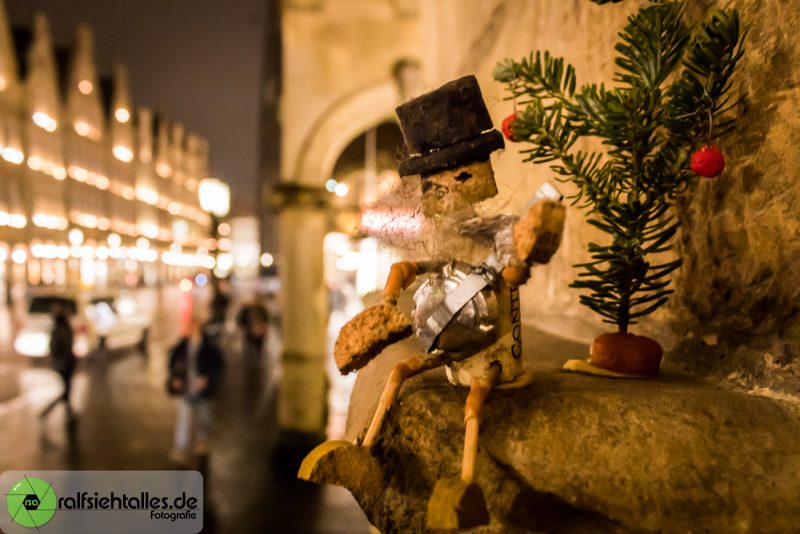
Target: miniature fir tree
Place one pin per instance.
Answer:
(671, 97)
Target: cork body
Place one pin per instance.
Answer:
(505, 350)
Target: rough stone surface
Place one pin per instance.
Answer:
(574, 453)
(738, 289)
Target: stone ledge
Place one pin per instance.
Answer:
(574, 453)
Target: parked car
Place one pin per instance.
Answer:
(101, 323)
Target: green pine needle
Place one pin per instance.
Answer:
(648, 127)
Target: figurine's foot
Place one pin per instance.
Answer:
(343, 464)
(456, 504)
(582, 366)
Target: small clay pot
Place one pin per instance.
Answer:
(626, 353)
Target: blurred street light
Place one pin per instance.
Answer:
(215, 197)
(75, 236)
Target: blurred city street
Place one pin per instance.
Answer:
(125, 420)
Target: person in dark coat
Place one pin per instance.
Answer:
(62, 357)
(195, 366)
(253, 321)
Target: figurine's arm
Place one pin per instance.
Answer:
(535, 238)
(368, 333)
(402, 274)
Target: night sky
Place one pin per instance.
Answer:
(194, 61)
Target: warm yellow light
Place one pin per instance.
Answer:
(78, 173)
(143, 242)
(59, 172)
(163, 169)
(50, 251)
(82, 128)
(35, 163)
(114, 240)
(3, 83)
(122, 115)
(44, 220)
(16, 220)
(103, 223)
(224, 262)
(102, 182)
(341, 189)
(267, 260)
(87, 220)
(87, 272)
(128, 193)
(13, 155)
(19, 255)
(147, 195)
(123, 153)
(224, 229)
(174, 208)
(150, 230)
(185, 285)
(75, 236)
(85, 87)
(215, 196)
(44, 121)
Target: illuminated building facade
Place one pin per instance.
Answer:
(93, 191)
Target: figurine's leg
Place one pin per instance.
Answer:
(478, 392)
(459, 503)
(400, 372)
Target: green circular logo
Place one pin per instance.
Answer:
(31, 502)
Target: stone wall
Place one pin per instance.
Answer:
(334, 52)
(735, 312)
(738, 289)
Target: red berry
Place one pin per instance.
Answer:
(506, 127)
(708, 161)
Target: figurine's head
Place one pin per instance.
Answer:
(449, 136)
(456, 189)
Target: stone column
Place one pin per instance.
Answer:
(302, 390)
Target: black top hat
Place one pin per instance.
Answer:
(447, 127)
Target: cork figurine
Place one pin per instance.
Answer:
(466, 313)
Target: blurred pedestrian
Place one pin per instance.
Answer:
(62, 357)
(220, 301)
(195, 366)
(253, 320)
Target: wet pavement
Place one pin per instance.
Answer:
(125, 421)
